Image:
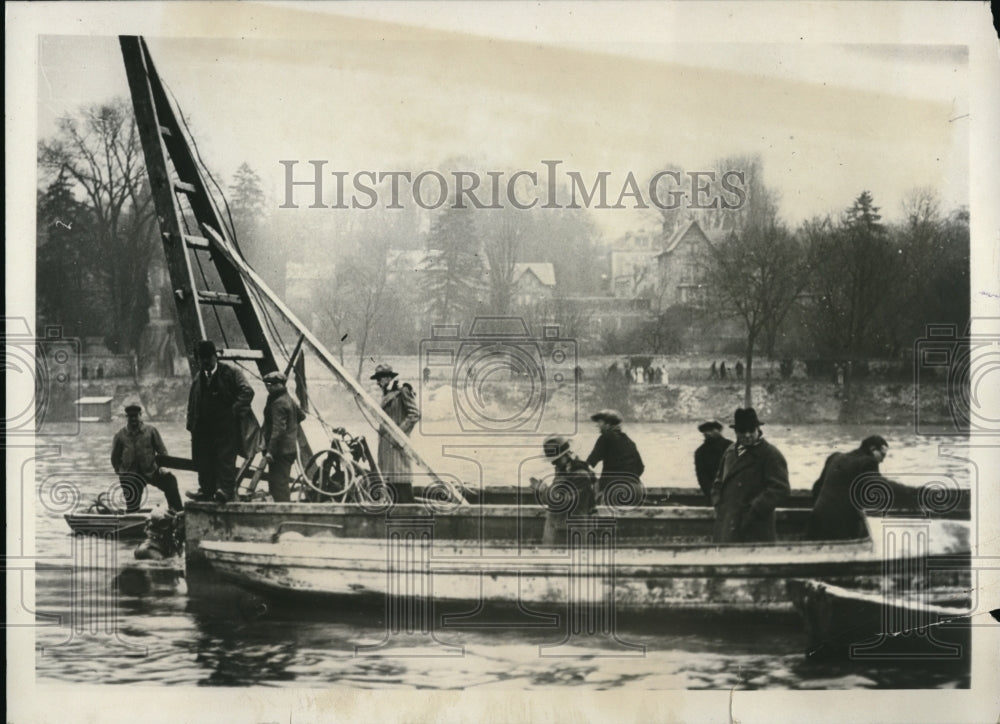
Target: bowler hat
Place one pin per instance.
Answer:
(384, 371)
(612, 417)
(710, 425)
(206, 348)
(275, 377)
(555, 447)
(745, 420)
(132, 409)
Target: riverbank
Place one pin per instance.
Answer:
(787, 401)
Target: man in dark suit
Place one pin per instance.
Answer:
(751, 482)
(280, 432)
(835, 515)
(709, 454)
(219, 401)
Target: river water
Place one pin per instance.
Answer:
(228, 637)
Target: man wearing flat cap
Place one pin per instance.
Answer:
(400, 403)
(751, 482)
(621, 463)
(133, 456)
(280, 434)
(218, 409)
(709, 454)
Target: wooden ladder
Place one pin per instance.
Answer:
(194, 235)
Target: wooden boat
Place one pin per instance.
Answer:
(655, 555)
(899, 623)
(644, 561)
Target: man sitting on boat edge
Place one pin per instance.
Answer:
(569, 495)
(751, 481)
(133, 457)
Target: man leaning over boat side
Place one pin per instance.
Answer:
(280, 435)
(570, 494)
(133, 457)
(218, 408)
(400, 403)
(709, 454)
(751, 481)
(621, 463)
(834, 516)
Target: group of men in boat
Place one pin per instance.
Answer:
(745, 479)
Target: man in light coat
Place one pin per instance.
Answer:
(400, 404)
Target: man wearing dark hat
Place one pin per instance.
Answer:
(621, 463)
(751, 482)
(570, 493)
(280, 433)
(709, 454)
(217, 405)
(835, 515)
(400, 403)
(133, 456)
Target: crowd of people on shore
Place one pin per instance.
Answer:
(745, 479)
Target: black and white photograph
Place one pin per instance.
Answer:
(437, 362)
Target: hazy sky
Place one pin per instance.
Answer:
(828, 120)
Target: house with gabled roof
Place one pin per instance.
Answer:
(533, 282)
(678, 265)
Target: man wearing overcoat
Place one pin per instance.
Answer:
(280, 432)
(218, 409)
(751, 482)
(400, 403)
(835, 514)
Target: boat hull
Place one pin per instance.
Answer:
(876, 624)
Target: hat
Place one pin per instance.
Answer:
(133, 409)
(206, 348)
(555, 447)
(275, 377)
(384, 371)
(710, 425)
(612, 417)
(745, 420)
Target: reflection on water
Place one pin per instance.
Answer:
(154, 632)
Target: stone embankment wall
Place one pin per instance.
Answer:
(790, 401)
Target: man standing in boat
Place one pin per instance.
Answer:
(621, 463)
(834, 515)
(280, 433)
(570, 494)
(133, 456)
(400, 403)
(750, 483)
(709, 454)
(218, 405)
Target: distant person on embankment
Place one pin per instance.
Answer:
(834, 515)
(709, 454)
(750, 483)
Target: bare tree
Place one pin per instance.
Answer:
(99, 150)
(757, 272)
